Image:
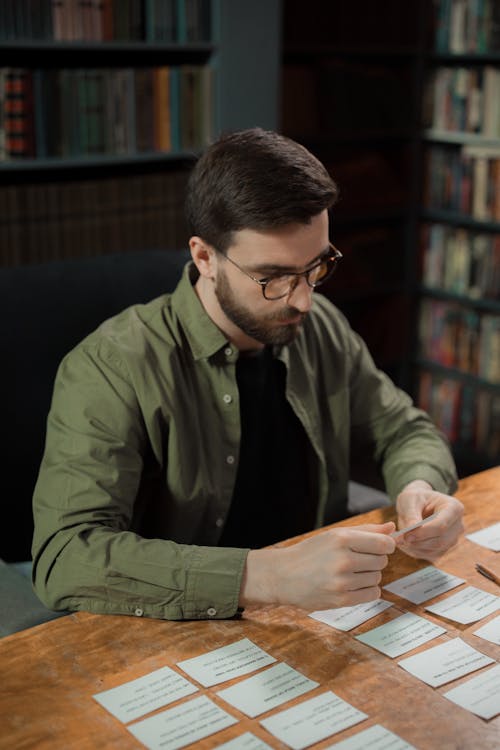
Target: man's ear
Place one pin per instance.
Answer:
(204, 257)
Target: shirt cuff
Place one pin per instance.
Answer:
(213, 583)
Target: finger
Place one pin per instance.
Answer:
(360, 562)
(370, 542)
(436, 529)
(361, 580)
(377, 528)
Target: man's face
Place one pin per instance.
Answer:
(263, 255)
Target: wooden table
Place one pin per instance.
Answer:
(49, 673)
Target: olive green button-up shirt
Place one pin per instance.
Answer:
(142, 452)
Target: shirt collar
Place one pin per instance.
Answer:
(204, 337)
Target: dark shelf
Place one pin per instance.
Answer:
(457, 219)
(463, 58)
(454, 374)
(331, 140)
(91, 162)
(489, 305)
(100, 54)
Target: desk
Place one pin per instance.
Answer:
(49, 673)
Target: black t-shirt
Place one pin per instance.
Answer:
(271, 499)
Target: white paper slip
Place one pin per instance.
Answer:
(182, 725)
(488, 537)
(268, 689)
(490, 631)
(347, 618)
(423, 584)
(247, 741)
(446, 662)
(376, 737)
(466, 606)
(402, 634)
(417, 525)
(138, 697)
(480, 694)
(313, 720)
(224, 663)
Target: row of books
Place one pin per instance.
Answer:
(468, 416)
(467, 26)
(461, 338)
(465, 100)
(460, 261)
(464, 180)
(76, 112)
(173, 21)
(56, 220)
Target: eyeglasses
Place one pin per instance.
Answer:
(282, 285)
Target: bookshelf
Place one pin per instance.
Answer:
(359, 74)
(458, 319)
(98, 132)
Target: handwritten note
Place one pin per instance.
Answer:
(182, 725)
(490, 631)
(247, 741)
(347, 618)
(138, 697)
(424, 584)
(488, 537)
(313, 720)
(226, 662)
(480, 694)
(466, 606)
(268, 689)
(400, 635)
(446, 662)
(376, 737)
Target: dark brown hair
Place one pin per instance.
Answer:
(255, 179)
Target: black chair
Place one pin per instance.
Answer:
(45, 310)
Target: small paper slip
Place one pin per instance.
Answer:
(226, 662)
(441, 664)
(182, 725)
(347, 618)
(489, 537)
(480, 694)
(247, 741)
(400, 635)
(466, 606)
(490, 631)
(138, 697)
(268, 689)
(375, 738)
(417, 525)
(313, 720)
(423, 584)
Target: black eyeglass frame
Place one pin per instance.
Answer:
(333, 254)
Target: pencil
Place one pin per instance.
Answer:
(487, 573)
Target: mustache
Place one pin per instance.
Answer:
(287, 313)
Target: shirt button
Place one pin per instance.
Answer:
(230, 460)
(219, 522)
(228, 351)
(227, 398)
(211, 611)
(139, 612)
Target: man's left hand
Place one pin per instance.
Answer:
(417, 501)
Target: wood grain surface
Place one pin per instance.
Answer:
(49, 673)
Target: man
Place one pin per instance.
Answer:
(188, 433)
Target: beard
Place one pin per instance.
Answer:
(262, 328)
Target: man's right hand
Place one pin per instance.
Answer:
(337, 568)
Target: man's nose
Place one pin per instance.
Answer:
(301, 294)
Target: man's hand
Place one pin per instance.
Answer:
(338, 568)
(417, 501)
